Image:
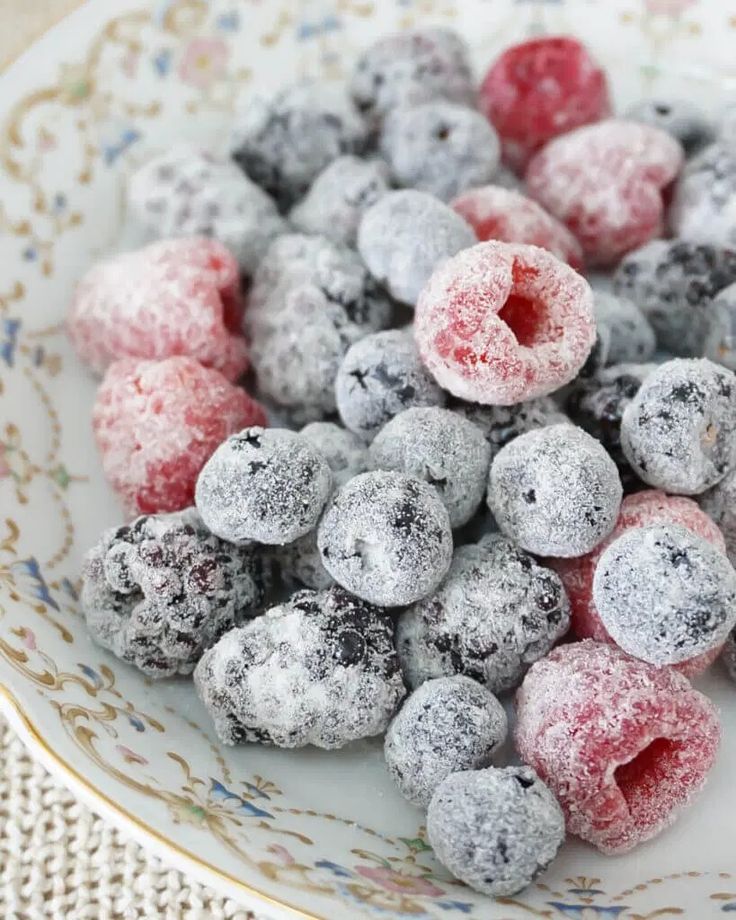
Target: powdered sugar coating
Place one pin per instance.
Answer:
(380, 376)
(684, 120)
(503, 322)
(446, 725)
(496, 612)
(156, 423)
(159, 591)
(411, 67)
(673, 282)
(664, 594)
(318, 669)
(605, 182)
(495, 829)
(440, 148)
(720, 328)
(174, 297)
(623, 745)
(441, 448)
(501, 424)
(502, 213)
(339, 196)
(555, 491)
(386, 537)
(190, 192)
(678, 431)
(630, 335)
(704, 204)
(263, 484)
(283, 141)
(720, 503)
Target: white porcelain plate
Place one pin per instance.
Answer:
(316, 834)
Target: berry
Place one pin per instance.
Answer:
(720, 503)
(263, 484)
(176, 297)
(678, 431)
(497, 213)
(319, 669)
(501, 424)
(495, 830)
(386, 538)
(630, 335)
(728, 655)
(379, 377)
(159, 591)
(541, 88)
(441, 448)
(283, 142)
(623, 745)
(555, 491)
(605, 182)
(673, 282)
(665, 595)
(679, 118)
(446, 725)
(440, 148)
(156, 424)
(405, 236)
(704, 204)
(720, 328)
(338, 198)
(496, 612)
(188, 192)
(503, 322)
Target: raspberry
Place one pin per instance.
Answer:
(539, 89)
(605, 182)
(623, 745)
(497, 213)
(175, 297)
(502, 322)
(156, 424)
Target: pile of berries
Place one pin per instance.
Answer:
(382, 446)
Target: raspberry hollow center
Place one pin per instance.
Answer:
(529, 321)
(643, 778)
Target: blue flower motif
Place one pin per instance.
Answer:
(228, 22)
(136, 723)
(29, 581)
(312, 28)
(162, 62)
(111, 150)
(220, 792)
(68, 588)
(59, 203)
(339, 871)
(9, 341)
(462, 906)
(586, 910)
(30, 254)
(91, 674)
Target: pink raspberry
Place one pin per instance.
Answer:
(639, 510)
(539, 89)
(157, 423)
(500, 323)
(174, 297)
(606, 183)
(497, 213)
(623, 745)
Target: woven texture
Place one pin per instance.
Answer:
(60, 861)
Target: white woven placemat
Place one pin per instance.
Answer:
(60, 861)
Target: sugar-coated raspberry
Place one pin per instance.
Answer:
(498, 213)
(684, 120)
(623, 745)
(283, 141)
(673, 282)
(338, 198)
(446, 725)
(501, 424)
(555, 491)
(664, 594)
(678, 432)
(539, 89)
(503, 322)
(386, 537)
(495, 829)
(189, 192)
(319, 669)
(159, 591)
(704, 204)
(405, 236)
(440, 148)
(380, 376)
(409, 68)
(630, 335)
(175, 297)
(605, 182)
(156, 424)
(720, 503)
(264, 484)
(443, 449)
(495, 613)
(720, 328)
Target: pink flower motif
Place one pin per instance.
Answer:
(282, 854)
(28, 638)
(131, 756)
(203, 62)
(399, 883)
(672, 8)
